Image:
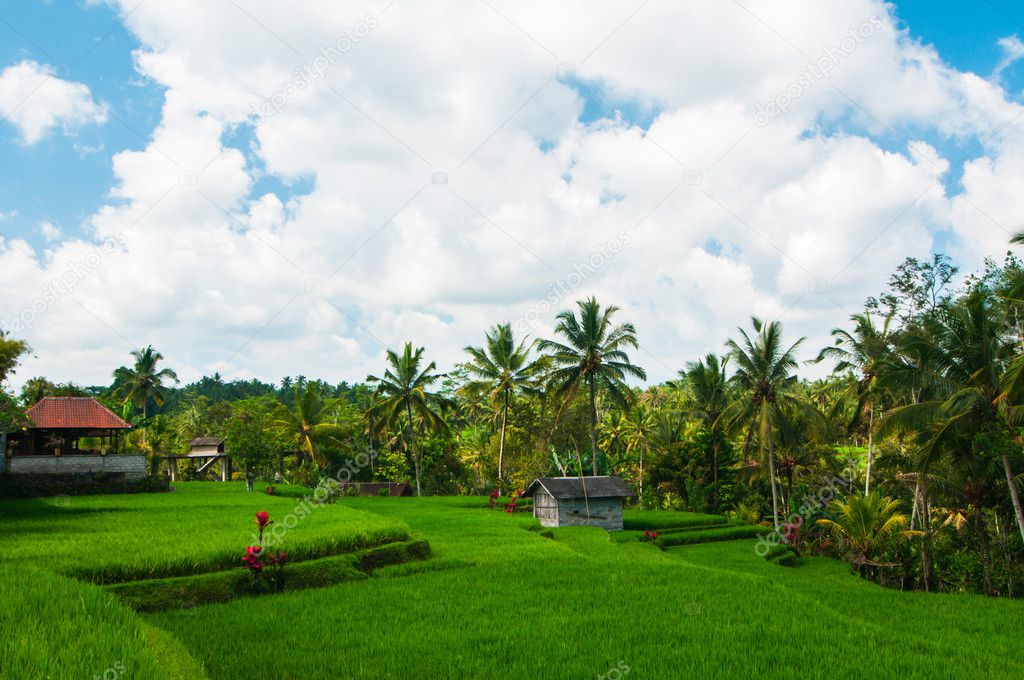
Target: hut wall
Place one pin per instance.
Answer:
(132, 467)
(604, 512)
(545, 509)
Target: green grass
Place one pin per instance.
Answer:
(658, 520)
(726, 533)
(203, 526)
(55, 627)
(500, 600)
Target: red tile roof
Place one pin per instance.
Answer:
(74, 413)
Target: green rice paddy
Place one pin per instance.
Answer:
(497, 598)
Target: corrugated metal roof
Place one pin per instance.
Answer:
(578, 487)
(207, 441)
(74, 413)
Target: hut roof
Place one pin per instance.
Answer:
(578, 487)
(206, 441)
(74, 413)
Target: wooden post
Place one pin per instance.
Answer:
(172, 467)
(224, 469)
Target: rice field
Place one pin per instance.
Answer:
(498, 598)
(107, 539)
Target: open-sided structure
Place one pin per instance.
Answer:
(71, 435)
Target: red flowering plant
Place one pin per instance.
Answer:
(493, 498)
(649, 536)
(270, 490)
(255, 559)
(510, 507)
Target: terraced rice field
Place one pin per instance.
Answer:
(496, 598)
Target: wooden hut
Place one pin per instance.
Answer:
(579, 501)
(207, 451)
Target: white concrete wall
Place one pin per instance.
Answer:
(133, 467)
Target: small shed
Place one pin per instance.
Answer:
(209, 450)
(579, 501)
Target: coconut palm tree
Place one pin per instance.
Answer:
(708, 386)
(593, 357)
(143, 383)
(763, 378)
(309, 422)
(867, 525)
(501, 369)
(638, 426)
(404, 399)
(866, 349)
(982, 390)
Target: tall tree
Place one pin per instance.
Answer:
(983, 391)
(501, 369)
(639, 427)
(309, 422)
(593, 356)
(404, 394)
(865, 350)
(250, 436)
(11, 351)
(763, 377)
(706, 381)
(144, 382)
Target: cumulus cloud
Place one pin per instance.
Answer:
(35, 99)
(453, 179)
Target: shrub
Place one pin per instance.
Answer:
(708, 536)
(86, 484)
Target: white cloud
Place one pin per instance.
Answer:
(49, 231)
(810, 212)
(35, 99)
(1013, 51)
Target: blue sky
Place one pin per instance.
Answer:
(64, 179)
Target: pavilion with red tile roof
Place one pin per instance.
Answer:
(59, 423)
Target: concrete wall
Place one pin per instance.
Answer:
(132, 467)
(604, 512)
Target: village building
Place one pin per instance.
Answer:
(579, 501)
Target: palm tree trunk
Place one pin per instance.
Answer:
(413, 447)
(766, 433)
(642, 447)
(501, 442)
(986, 553)
(1013, 494)
(145, 427)
(593, 427)
(714, 473)
(871, 452)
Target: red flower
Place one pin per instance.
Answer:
(654, 535)
(262, 522)
(254, 551)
